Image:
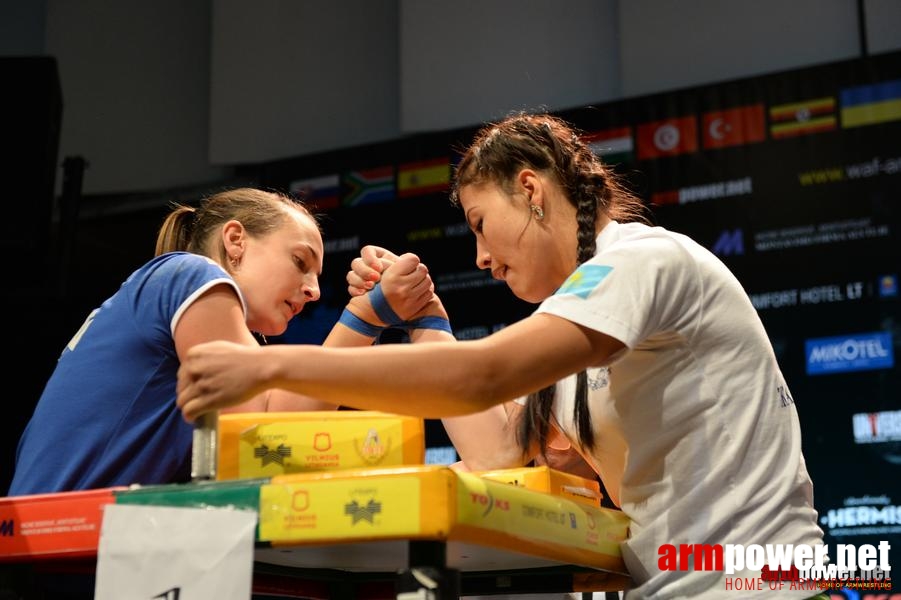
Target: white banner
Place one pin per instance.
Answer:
(170, 553)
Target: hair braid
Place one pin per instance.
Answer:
(585, 188)
(547, 143)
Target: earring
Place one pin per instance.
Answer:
(235, 261)
(539, 212)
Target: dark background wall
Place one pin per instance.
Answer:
(168, 101)
(792, 178)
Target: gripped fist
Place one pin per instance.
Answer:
(366, 270)
(404, 281)
(217, 375)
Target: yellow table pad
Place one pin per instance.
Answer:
(437, 503)
(268, 444)
(550, 480)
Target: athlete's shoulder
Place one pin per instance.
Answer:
(184, 259)
(175, 264)
(639, 241)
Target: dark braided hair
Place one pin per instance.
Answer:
(548, 144)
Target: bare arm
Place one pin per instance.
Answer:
(435, 380)
(217, 315)
(567, 460)
(407, 288)
(484, 440)
(487, 440)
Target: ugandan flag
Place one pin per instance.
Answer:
(802, 118)
(368, 186)
(871, 104)
(423, 177)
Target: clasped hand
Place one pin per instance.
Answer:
(220, 374)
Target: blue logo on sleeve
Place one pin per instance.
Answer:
(584, 280)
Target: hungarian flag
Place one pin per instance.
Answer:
(802, 118)
(612, 145)
(734, 126)
(667, 137)
(424, 177)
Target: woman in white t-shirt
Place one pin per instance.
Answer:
(645, 355)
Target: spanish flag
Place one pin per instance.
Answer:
(424, 177)
(802, 118)
(871, 104)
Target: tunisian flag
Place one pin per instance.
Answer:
(667, 137)
(734, 126)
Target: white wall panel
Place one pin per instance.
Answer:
(135, 86)
(295, 77)
(671, 44)
(171, 93)
(883, 25)
(470, 61)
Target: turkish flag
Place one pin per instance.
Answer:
(735, 126)
(667, 137)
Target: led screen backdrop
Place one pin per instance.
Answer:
(793, 179)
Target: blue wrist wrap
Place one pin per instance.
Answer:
(352, 321)
(439, 323)
(382, 308)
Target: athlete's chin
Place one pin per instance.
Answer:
(526, 294)
(276, 327)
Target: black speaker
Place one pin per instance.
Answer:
(30, 117)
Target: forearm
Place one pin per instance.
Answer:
(284, 401)
(342, 336)
(258, 403)
(280, 400)
(438, 379)
(486, 440)
(427, 380)
(568, 460)
(434, 380)
(418, 336)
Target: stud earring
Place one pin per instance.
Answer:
(539, 212)
(235, 261)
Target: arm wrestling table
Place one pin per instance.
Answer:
(371, 533)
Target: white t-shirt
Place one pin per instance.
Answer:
(697, 436)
